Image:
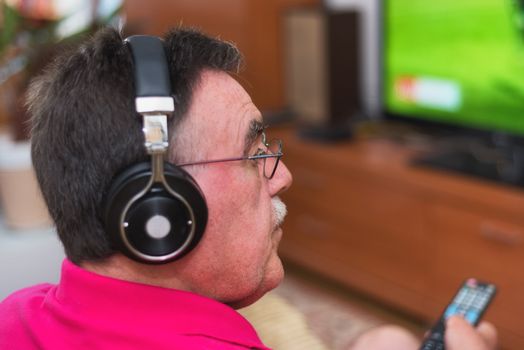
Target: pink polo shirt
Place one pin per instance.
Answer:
(89, 311)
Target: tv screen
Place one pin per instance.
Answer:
(457, 62)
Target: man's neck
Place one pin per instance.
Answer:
(120, 267)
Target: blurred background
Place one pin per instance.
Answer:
(402, 123)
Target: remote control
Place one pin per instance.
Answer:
(470, 302)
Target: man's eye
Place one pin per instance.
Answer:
(260, 152)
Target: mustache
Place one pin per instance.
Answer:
(279, 210)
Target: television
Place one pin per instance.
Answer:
(458, 64)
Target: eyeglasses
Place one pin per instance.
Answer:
(270, 156)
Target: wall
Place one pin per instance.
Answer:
(254, 25)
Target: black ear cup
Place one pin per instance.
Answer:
(159, 224)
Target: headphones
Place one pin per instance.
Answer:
(154, 212)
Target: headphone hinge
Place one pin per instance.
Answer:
(155, 133)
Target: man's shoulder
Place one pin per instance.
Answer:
(23, 298)
(16, 311)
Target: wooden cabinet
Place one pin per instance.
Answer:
(486, 244)
(362, 215)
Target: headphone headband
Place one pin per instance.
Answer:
(152, 83)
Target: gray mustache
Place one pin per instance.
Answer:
(279, 210)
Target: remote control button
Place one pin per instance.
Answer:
(472, 316)
(451, 310)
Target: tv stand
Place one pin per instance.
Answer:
(501, 164)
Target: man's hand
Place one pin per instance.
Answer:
(460, 335)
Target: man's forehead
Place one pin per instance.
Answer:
(221, 107)
(245, 123)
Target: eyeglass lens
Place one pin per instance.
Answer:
(271, 164)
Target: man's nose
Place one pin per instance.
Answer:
(281, 181)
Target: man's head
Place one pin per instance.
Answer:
(85, 131)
